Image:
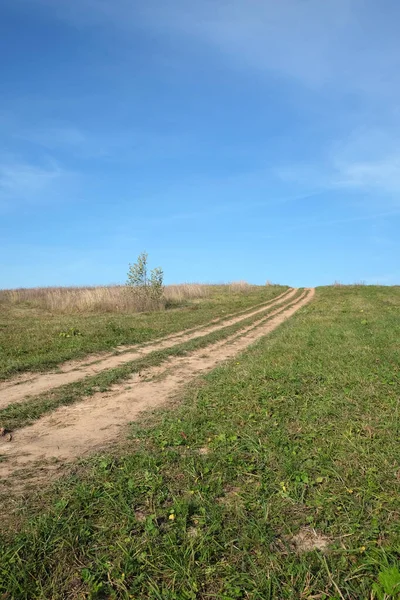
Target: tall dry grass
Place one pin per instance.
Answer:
(115, 298)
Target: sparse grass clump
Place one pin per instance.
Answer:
(277, 478)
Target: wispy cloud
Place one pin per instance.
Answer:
(319, 43)
(382, 175)
(55, 136)
(129, 144)
(67, 139)
(19, 178)
(366, 160)
(340, 49)
(25, 183)
(312, 223)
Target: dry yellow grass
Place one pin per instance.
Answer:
(113, 298)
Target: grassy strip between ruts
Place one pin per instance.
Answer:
(19, 415)
(36, 340)
(276, 479)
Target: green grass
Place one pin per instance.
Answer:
(203, 502)
(21, 414)
(36, 340)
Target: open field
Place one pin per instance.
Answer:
(39, 329)
(274, 476)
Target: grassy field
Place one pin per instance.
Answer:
(36, 334)
(276, 478)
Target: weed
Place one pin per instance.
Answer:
(70, 333)
(388, 585)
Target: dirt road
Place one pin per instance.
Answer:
(17, 391)
(77, 430)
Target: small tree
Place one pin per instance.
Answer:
(150, 290)
(137, 274)
(157, 284)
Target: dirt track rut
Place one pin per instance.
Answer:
(74, 431)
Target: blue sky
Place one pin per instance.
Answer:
(231, 139)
